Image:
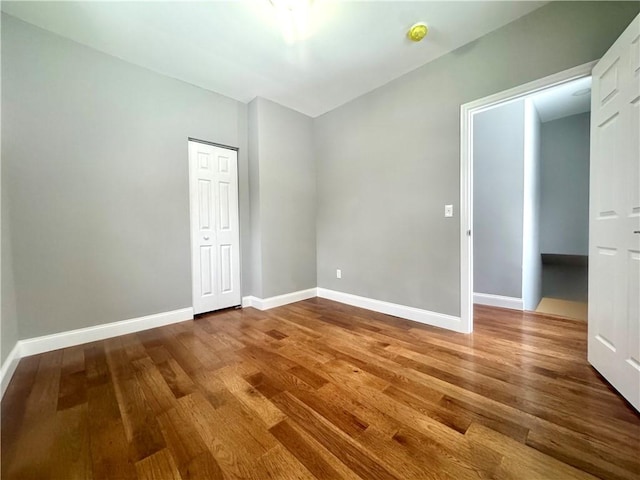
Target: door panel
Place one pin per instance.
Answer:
(226, 276)
(206, 270)
(634, 166)
(223, 164)
(204, 199)
(215, 235)
(606, 265)
(633, 306)
(225, 215)
(607, 145)
(614, 218)
(609, 82)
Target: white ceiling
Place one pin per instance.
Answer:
(245, 49)
(559, 102)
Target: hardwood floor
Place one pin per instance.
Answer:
(321, 390)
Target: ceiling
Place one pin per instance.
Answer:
(311, 61)
(559, 102)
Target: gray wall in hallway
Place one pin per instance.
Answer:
(564, 213)
(498, 195)
(95, 166)
(387, 162)
(282, 158)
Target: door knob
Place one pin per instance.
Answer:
(206, 238)
(636, 231)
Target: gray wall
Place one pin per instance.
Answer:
(498, 195)
(9, 325)
(283, 198)
(564, 213)
(387, 162)
(531, 259)
(95, 174)
(506, 202)
(8, 317)
(95, 165)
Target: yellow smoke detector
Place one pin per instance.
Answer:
(418, 31)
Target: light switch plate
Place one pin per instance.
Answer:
(448, 210)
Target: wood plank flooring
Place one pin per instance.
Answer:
(321, 390)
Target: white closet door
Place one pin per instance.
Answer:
(614, 216)
(215, 238)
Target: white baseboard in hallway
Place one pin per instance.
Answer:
(512, 303)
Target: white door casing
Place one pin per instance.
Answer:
(614, 216)
(215, 230)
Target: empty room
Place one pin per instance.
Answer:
(278, 239)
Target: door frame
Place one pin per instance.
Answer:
(467, 111)
(191, 252)
(213, 144)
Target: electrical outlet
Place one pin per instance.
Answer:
(338, 273)
(448, 210)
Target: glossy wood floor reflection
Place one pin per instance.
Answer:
(321, 390)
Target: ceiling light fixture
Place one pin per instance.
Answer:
(579, 93)
(291, 5)
(294, 17)
(418, 31)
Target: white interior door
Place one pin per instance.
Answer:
(614, 216)
(215, 238)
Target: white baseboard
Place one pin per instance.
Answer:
(272, 302)
(410, 313)
(247, 301)
(47, 343)
(402, 311)
(512, 303)
(9, 367)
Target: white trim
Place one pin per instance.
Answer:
(512, 303)
(9, 367)
(47, 343)
(278, 301)
(247, 301)
(466, 171)
(402, 311)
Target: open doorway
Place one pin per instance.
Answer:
(526, 288)
(564, 197)
(614, 222)
(531, 201)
